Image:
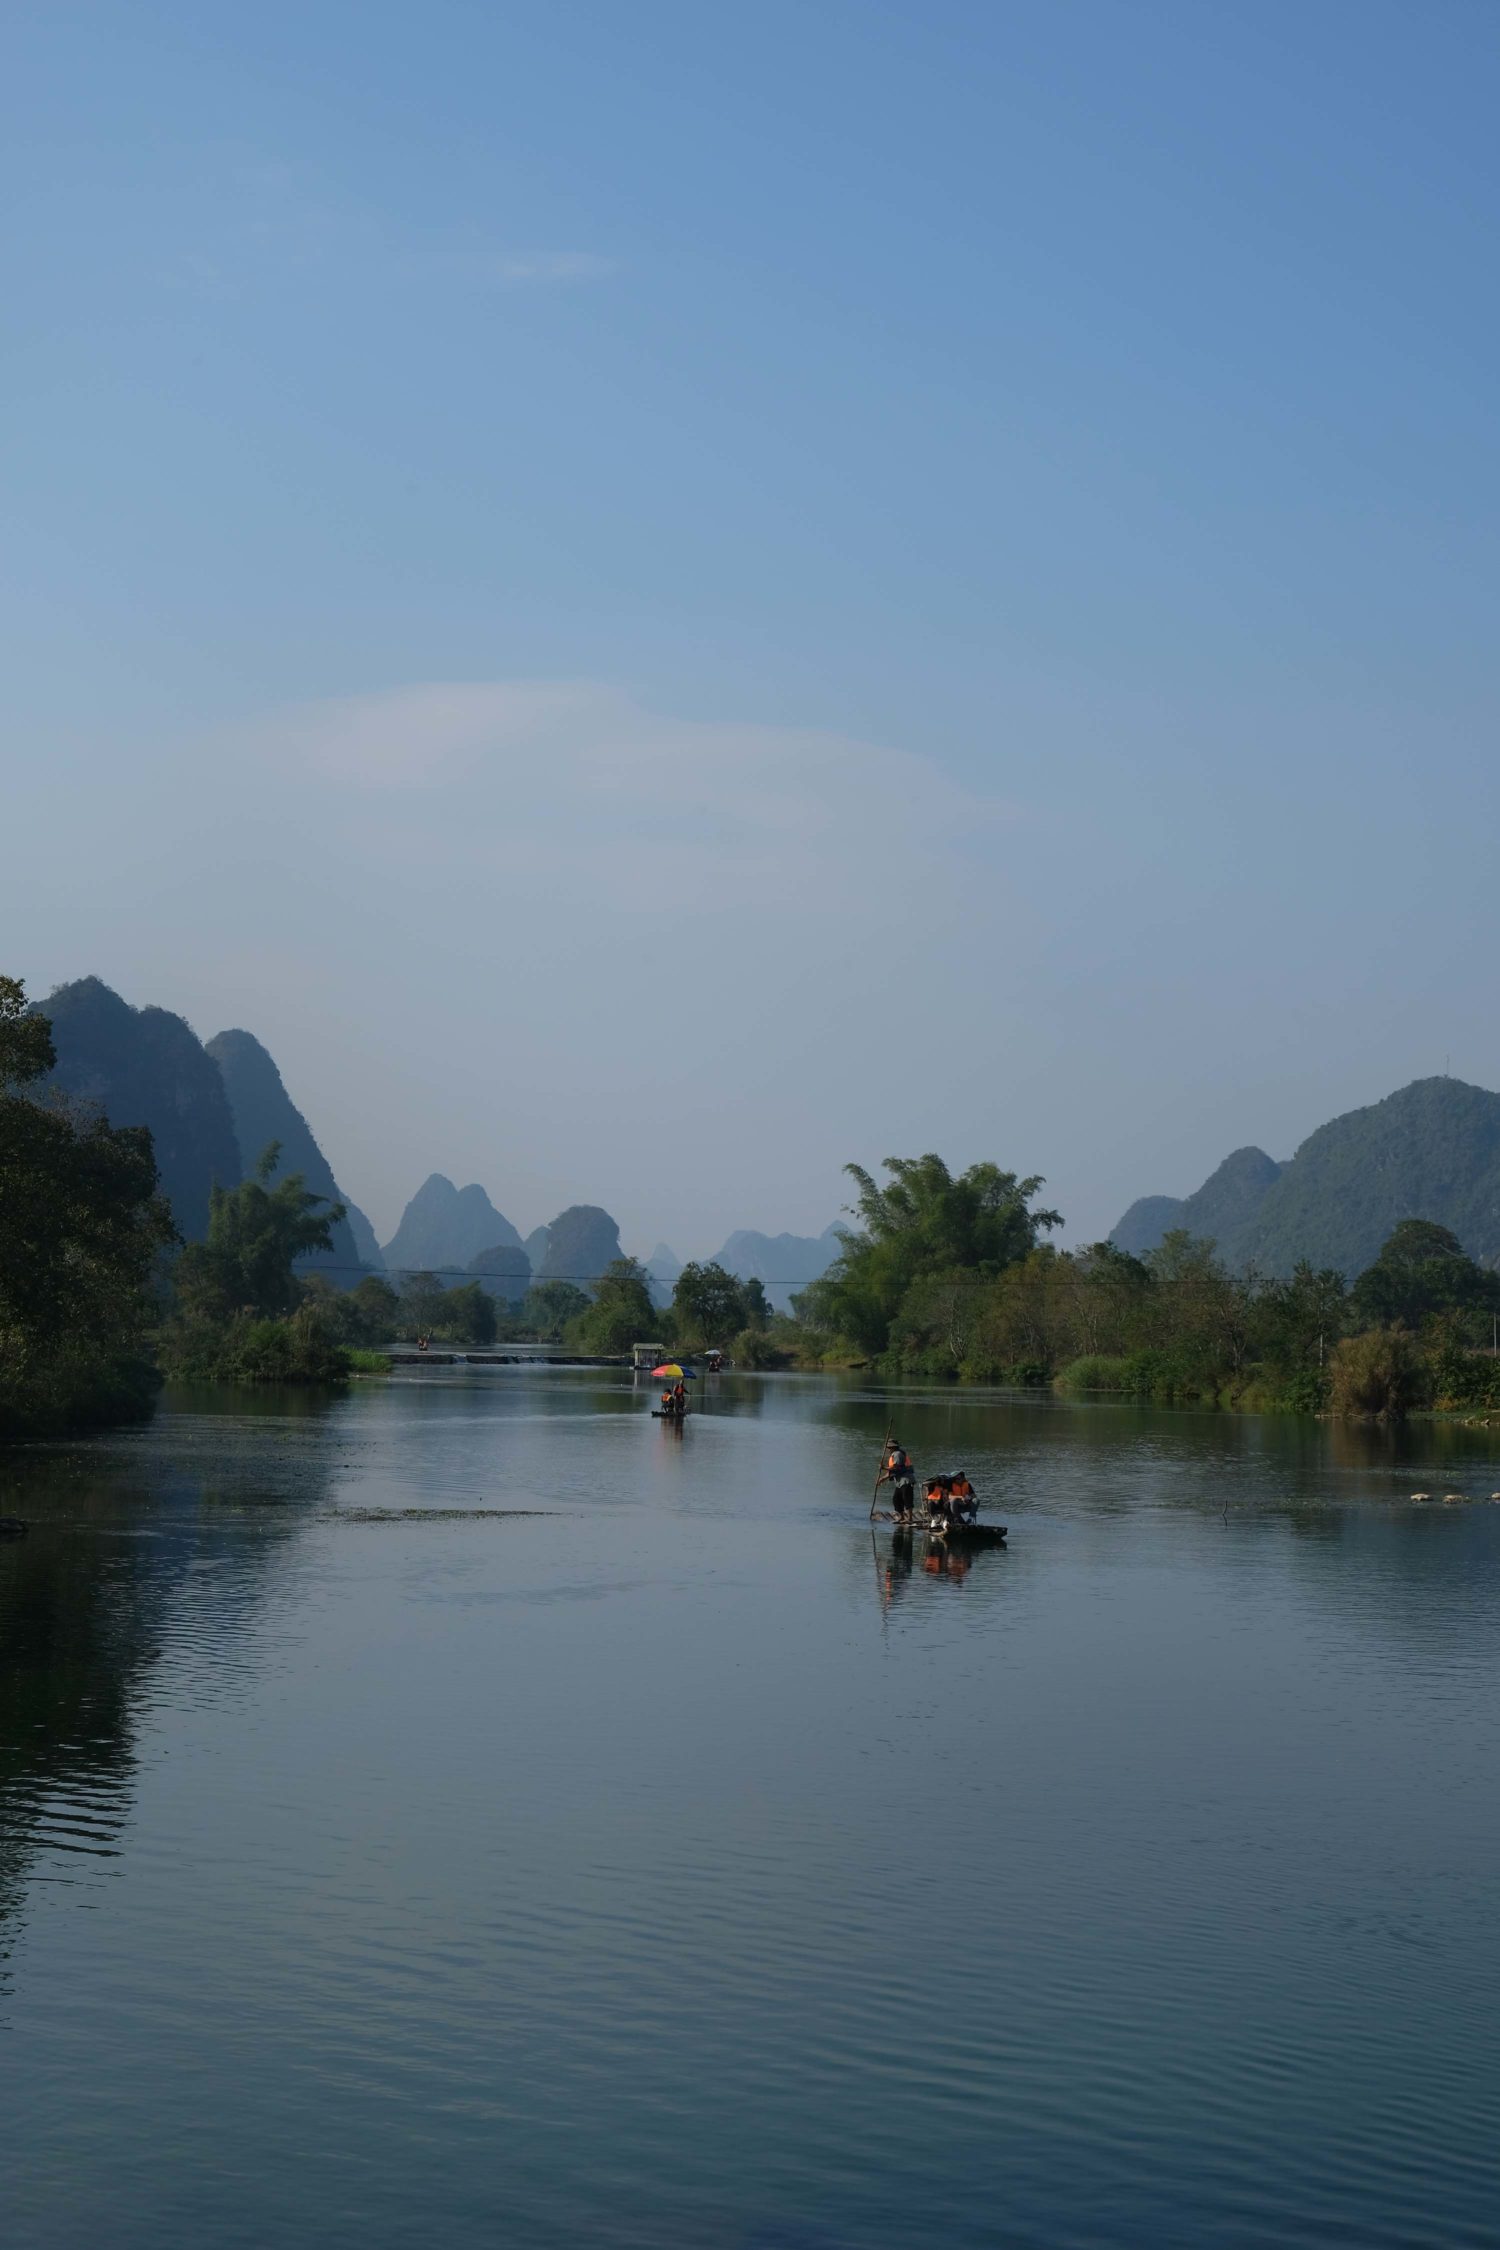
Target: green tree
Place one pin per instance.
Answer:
(937, 1323)
(468, 1314)
(1296, 1323)
(362, 1316)
(242, 1314)
(82, 1227)
(255, 1233)
(1422, 1269)
(708, 1307)
(26, 1050)
(462, 1315)
(922, 1221)
(621, 1314)
(370, 1310)
(1202, 1310)
(548, 1306)
(420, 1305)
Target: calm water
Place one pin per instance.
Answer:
(662, 1868)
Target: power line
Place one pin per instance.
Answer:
(383, 1273)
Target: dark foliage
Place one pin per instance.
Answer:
(464, 1314)
(1422, 1270)
(81, 1228)
(264, 1112)
(228, 1288)
(710, 1308)
(621, 1314)
(548, 1307)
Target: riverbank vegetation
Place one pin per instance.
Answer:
(239, 1311)
(941, 1276)
(82, 1230)
(952, 1277)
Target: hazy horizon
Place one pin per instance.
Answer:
(660, 600)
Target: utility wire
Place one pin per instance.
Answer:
(381, 1272)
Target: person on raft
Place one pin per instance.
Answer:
(898, 1473)
(679, 1397)
(951, 1501)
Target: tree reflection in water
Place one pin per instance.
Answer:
(89, 1599)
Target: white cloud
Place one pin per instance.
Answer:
(547, 782)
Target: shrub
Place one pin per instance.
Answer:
(1097, 1371)
(1376, 1374)
(298, 1349)
(1306, 1392)
(755, 1349)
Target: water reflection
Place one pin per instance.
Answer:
(120, 1565)
(903, 1556)
(547, 1876)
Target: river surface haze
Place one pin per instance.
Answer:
(470, 1812)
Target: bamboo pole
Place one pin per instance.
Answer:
(879, 1473)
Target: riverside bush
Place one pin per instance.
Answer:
(294, 1349)
(1377, 1375)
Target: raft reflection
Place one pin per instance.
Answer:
(905, 1554)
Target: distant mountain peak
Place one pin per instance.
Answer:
(1430, 1150)
(443, 1227)
(581, 1242)
(790, 1260)
(145, 1066)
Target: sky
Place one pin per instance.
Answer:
(663, 597)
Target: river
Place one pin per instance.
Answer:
(468, 1812)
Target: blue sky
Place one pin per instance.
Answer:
(659, 596)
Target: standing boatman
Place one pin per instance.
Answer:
(898, 1473)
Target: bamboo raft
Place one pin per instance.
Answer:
(955, 1534)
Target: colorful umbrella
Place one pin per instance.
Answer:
(675, 1373)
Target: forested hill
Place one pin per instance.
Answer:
(143, 1066)
(581, 1242)
(1219, 1212)
(1430, 1151)
(263, 1112)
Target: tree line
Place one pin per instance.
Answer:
(708, 1307)
(945, 1276)
(941, 1275)
(100, 1299)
